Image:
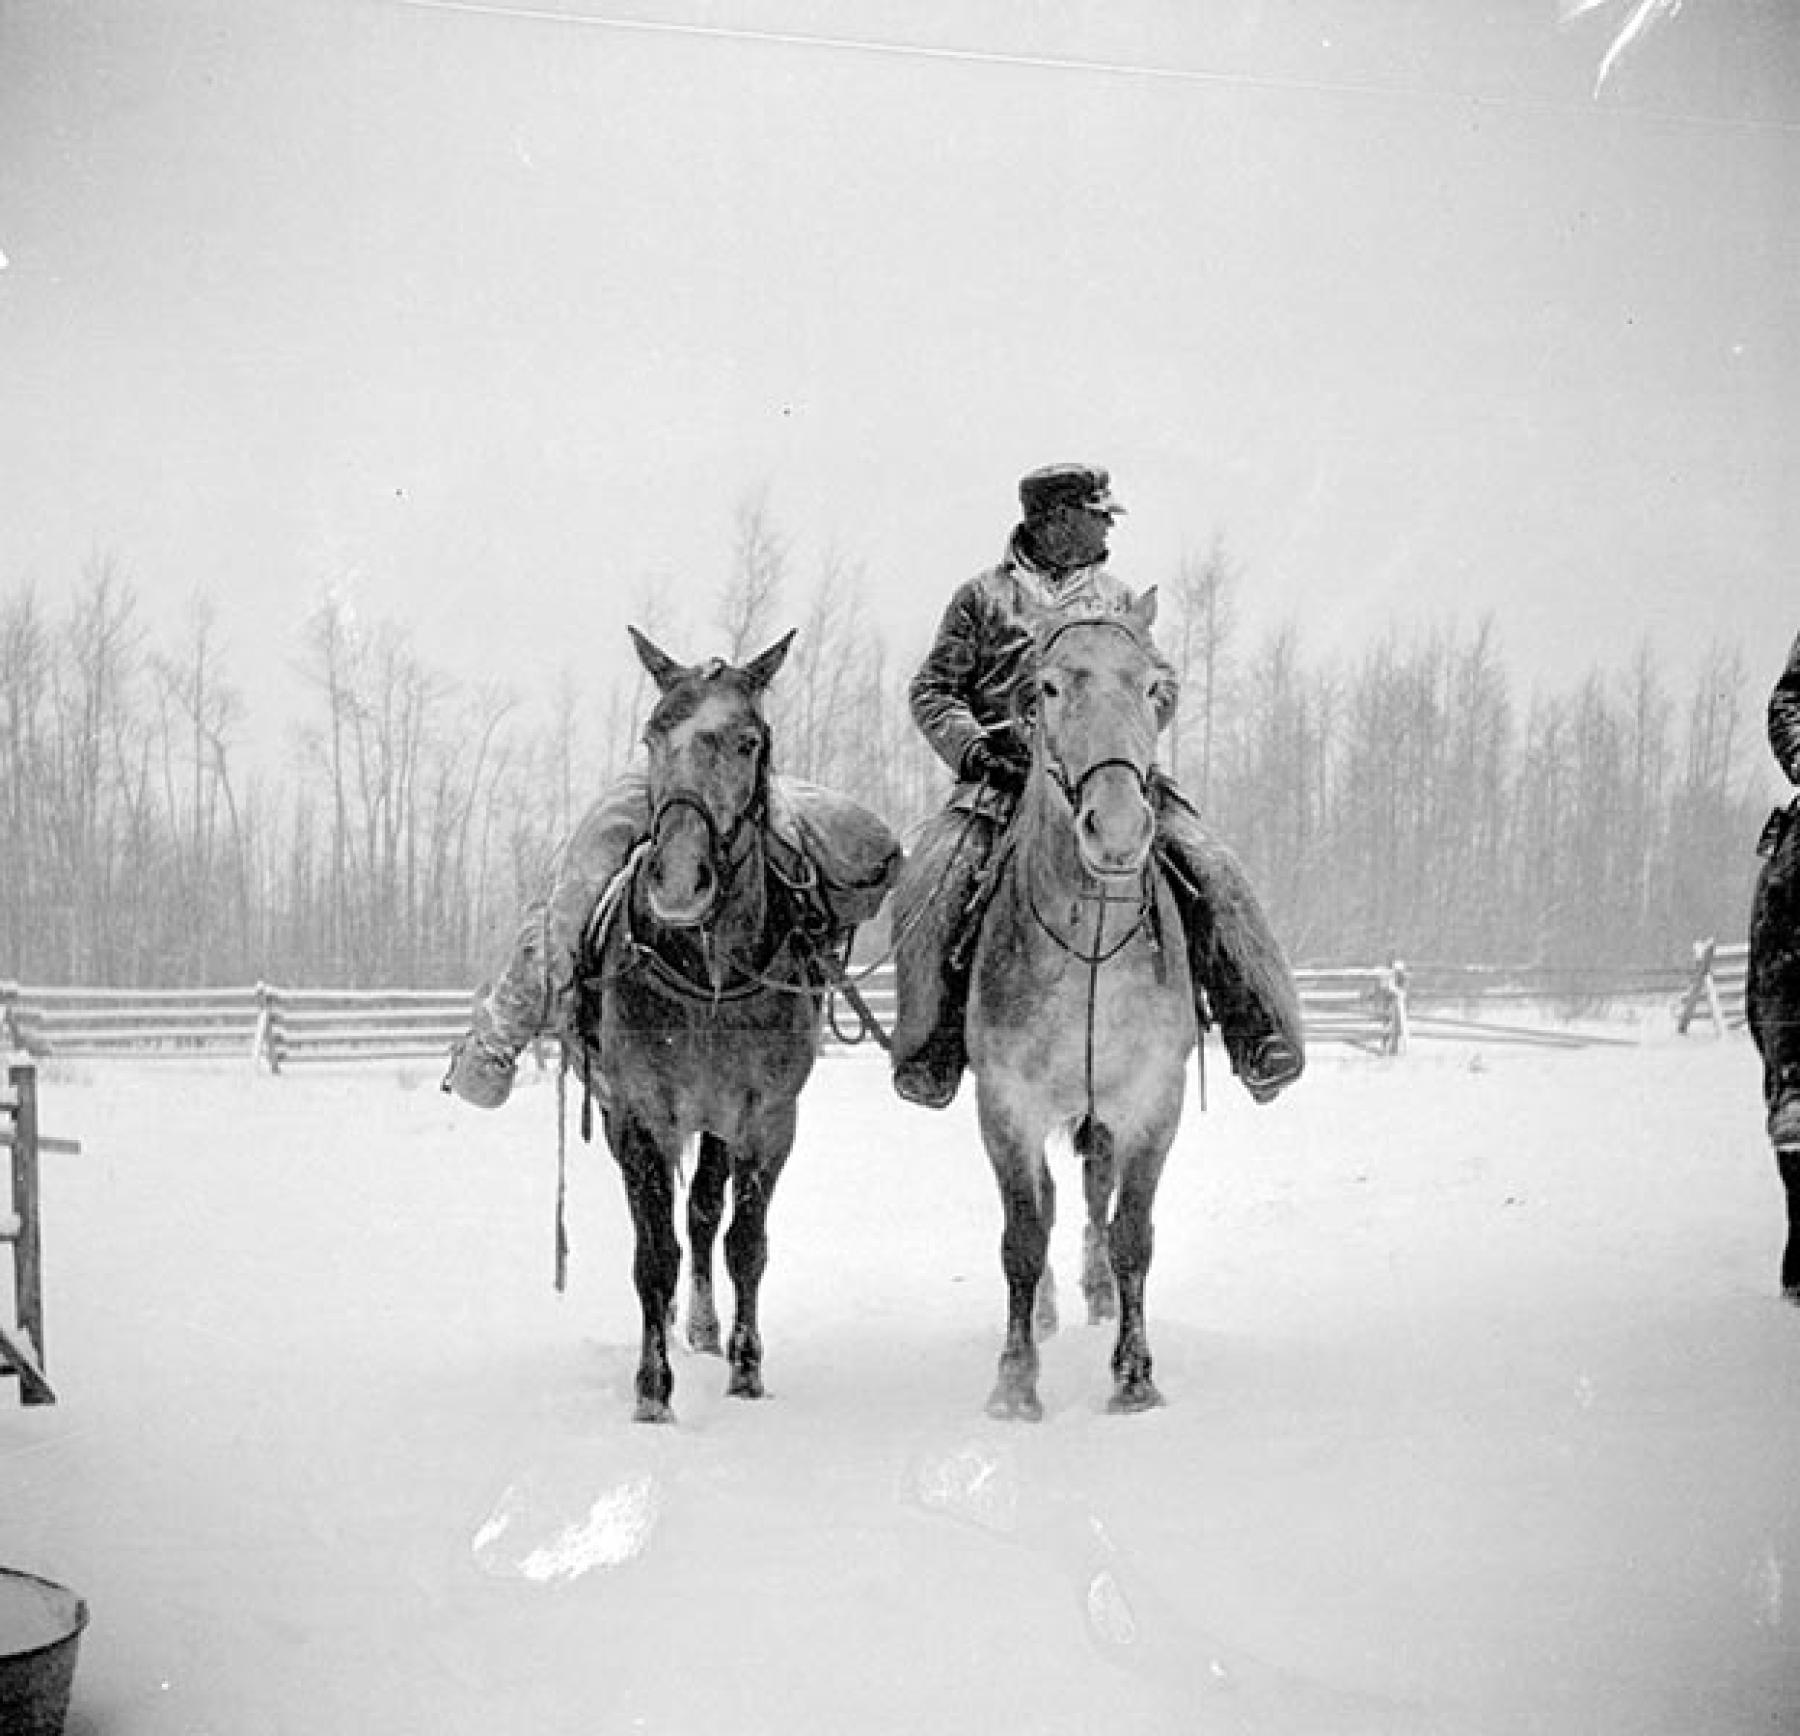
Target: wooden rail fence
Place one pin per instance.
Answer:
(1717, 985)
(274, 1026)
(1380, 1009)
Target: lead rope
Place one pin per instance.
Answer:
(1097, 957)
(1089, 1120)
(562, 1175)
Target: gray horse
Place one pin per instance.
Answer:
(1081, 1012)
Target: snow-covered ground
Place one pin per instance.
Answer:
(1484, 1416)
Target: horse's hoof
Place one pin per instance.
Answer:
(1791, 1292)
(1131, 1396)
(745, 1383)
(653, 1410)
(1008, 1406)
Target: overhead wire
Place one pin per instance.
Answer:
(1074, 64)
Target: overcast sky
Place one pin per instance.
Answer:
(1431, 310)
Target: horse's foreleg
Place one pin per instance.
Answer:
(746, 1258)
(656, 1270)
(706, 1209)
(1023, 1246)
(747, 1248)
(1132, 1240)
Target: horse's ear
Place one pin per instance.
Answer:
(664, 670)
(760, 671)
(1143, 610)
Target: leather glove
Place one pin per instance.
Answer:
(998, 757)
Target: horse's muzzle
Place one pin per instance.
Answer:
(681, 878)
(1115, 825)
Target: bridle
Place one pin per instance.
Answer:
(721, 847)
(798, 934)
(1075, 787)
(1143, 893)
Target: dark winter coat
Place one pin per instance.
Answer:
(1784, 717)
(981, 656)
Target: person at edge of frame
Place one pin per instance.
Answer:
(1772, 982)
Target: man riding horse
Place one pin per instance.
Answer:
(963, 699)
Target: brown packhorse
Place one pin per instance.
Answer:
(703, 990)
(1081, 1010)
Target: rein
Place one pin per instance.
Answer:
(1073, 789)
(749, 980)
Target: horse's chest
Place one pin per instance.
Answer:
(702, 1060)
(1053, 1000)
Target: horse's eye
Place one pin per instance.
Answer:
(747, 746)
(1048, 689)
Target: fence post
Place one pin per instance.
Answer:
(1702, 986)
(25, 1353)
(28, 1270)
(269, 1035)
(1393, 989)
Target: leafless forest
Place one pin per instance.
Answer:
(1406, 797)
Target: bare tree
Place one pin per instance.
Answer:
(811, 706)
(93, 684)
(198, 708)
(1200, 648)
(748, 601)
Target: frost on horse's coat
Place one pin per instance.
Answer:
(1081, 1006)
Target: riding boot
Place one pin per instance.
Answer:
(534, 994)
(931, 909)
(1239, 969)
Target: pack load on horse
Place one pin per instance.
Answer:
(1081, 1008)
(701, 994)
